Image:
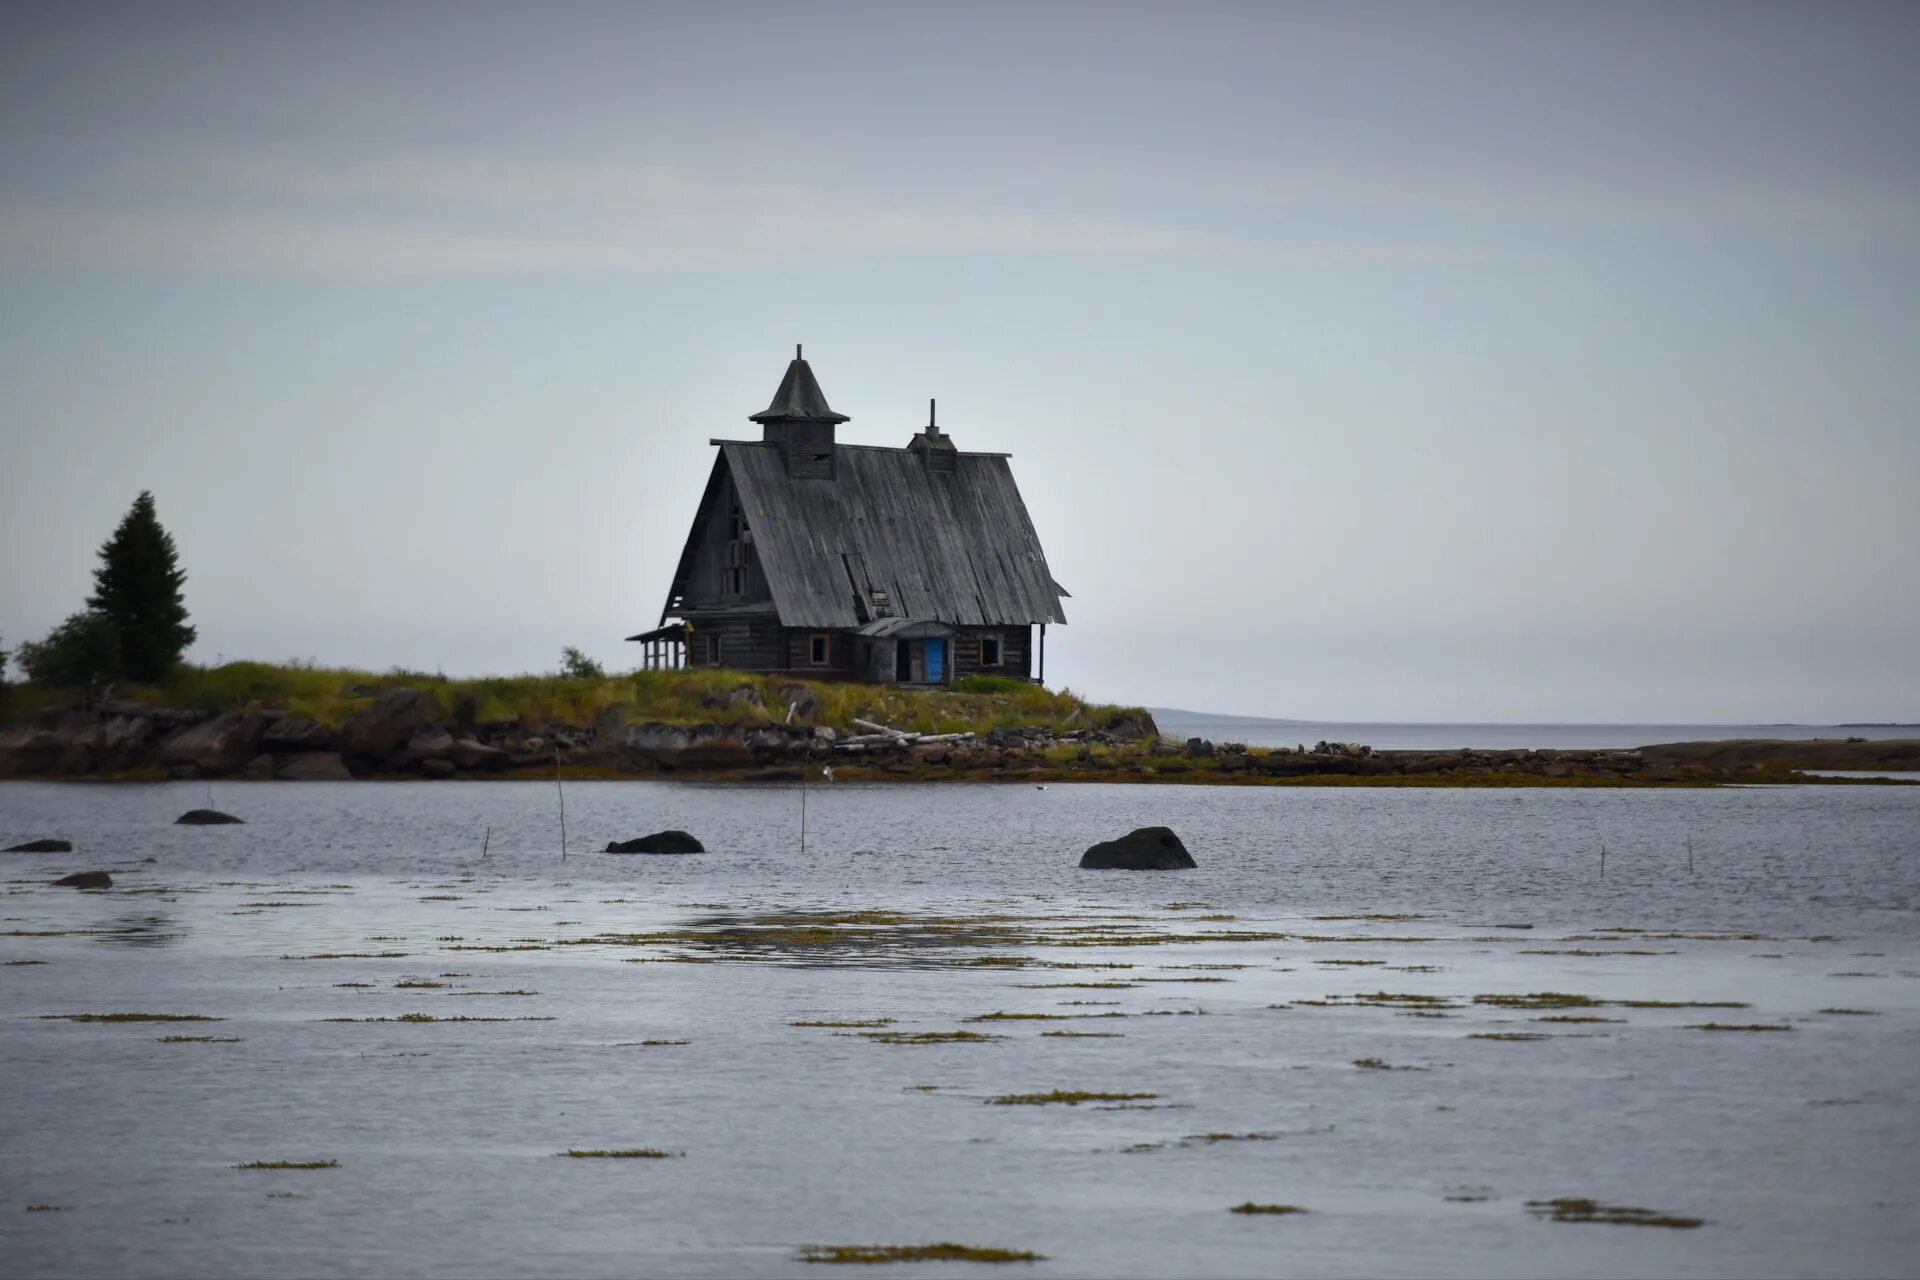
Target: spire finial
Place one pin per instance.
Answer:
(930, 417)
(796, 351)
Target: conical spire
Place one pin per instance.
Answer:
(799, 398)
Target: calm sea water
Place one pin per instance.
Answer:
(1444, 737)
(1798, 1147)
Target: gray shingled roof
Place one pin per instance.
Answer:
(799, 398)
(959, 547)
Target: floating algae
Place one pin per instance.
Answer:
(1085, 1035)
(1540, 1000)
(866, 1254)
(851, 1022)
(1380, 1064)
(1508, 1035)
(625, 1153)
(929, 1037)
(197, 1040)
(129, 1017)
(1065, 1097)
(1570, 1209)
(289, 1164)
(1250, 1207)
(1738, 1026)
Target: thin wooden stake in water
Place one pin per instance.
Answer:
(563, 803)
(806, 760)
(486, 841)
(1603, 862)
(1689, 853)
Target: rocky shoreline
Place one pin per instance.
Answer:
(401, 733)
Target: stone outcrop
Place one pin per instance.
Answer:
(314, 766)
(220, 745)
(205, 818)
(375, 732)
(1143, 849)
(85, 880)
(291, 734)
(659, 842)
(41, 846)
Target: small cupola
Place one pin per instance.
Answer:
(934, 447)
(800, 420)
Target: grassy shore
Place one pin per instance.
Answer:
(329, 695)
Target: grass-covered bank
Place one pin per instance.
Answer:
(329, 695)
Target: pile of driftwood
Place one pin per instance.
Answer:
(880, 737)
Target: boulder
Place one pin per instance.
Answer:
(678, 746)
(469, 754)
(41, 846)
(260, 767)
(804, 701)
(314, 766)
(395, 716)
(205, 818)
(85, 880)
(659, 842)
(1144, 849)
(746, 695)
(1199, 747)
(220, 745)
(429, 745)
(124, 740)
(296, 733)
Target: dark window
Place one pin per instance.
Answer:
(989, 651)
(817, 650)
(733, 582)
(709, 650)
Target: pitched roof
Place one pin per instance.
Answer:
(799, 398)
(960, 547)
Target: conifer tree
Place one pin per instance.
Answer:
(137, 588)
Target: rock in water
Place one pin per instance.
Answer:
(1145, 849)
(659, 842)
(204, 818)
(85, 880)
(42, 846)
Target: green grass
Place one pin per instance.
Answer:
(331, 694)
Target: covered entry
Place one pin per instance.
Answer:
(910, 650)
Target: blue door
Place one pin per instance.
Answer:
(936, 661)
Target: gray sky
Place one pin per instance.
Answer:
(1528, 361)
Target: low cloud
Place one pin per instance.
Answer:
(437, 217)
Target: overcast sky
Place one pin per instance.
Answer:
(1439, 362)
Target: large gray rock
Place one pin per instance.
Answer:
(428, 746)
(679, 746)
(659, 842)
(205, 818)
(41, 846)
(1144, 849)
(469, 754)
(395, 716)
(804, 701)
(220, 745)
(314, 766)
(292, 733)
(85, 880)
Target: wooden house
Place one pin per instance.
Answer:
(809, 556)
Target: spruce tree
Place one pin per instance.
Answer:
(137, 587)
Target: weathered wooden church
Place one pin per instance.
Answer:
(807, 556)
